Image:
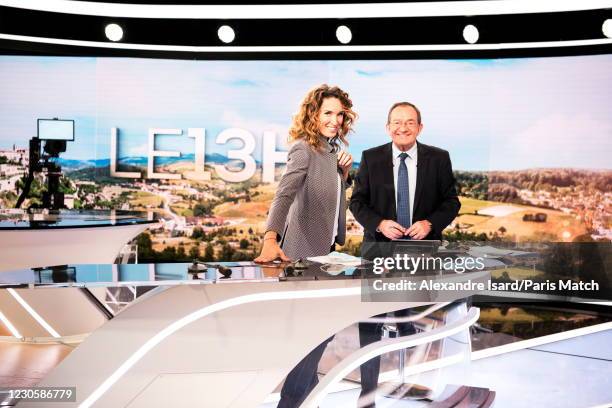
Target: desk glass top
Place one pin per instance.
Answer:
(160, 274)
(14, 219)
(511, 267)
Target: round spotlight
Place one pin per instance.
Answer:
(113, 32)
(226, 34)
(343, 34)
(470, 34)
(606, 28)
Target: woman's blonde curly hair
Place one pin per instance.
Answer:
(305, 123)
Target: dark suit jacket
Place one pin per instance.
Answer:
(373, 198)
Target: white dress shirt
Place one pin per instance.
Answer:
(411, 165)
(336, 218)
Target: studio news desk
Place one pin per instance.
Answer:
(31, 239)
(206, 342)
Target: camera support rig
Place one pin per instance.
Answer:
(40, 162)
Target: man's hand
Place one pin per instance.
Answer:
(419, 229)
(345, 162)
(391, 229)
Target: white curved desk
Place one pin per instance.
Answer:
(211, 343)
(69, 237)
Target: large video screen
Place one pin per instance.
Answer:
(202, 142)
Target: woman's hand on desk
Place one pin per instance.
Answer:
(271, 251)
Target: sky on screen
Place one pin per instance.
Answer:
(489, 114)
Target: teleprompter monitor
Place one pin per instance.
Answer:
(56, 129)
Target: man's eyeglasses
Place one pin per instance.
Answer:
(397, 124)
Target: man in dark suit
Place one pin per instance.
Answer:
(403, 190)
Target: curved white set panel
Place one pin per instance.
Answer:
(283, 11)
(218, 345)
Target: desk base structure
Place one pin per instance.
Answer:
(218, 345)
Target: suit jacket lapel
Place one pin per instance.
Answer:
(387, 165)
(421, 174)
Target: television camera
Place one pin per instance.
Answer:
(54, 133)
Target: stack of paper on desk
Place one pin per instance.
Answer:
(337, 258)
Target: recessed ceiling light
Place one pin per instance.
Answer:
(113, 32)
(344, 34)
(226, 34)
(470, 34)
(606, 28)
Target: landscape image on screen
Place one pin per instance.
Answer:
(202, 143)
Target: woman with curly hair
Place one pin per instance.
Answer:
(308, 214)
